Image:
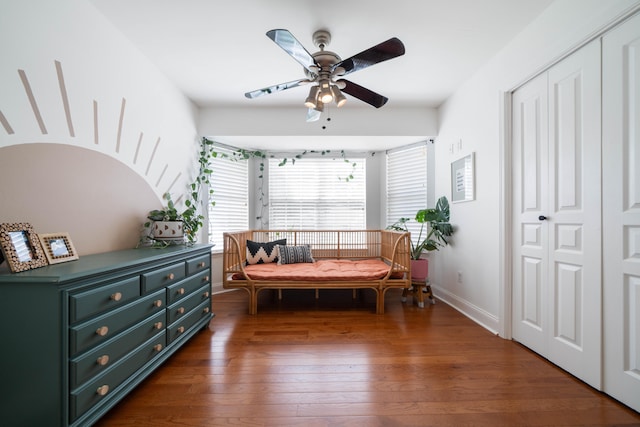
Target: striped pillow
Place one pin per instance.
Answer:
(295, 254)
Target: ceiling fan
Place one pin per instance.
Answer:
(325, 70)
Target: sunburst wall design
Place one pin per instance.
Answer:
(141, 155)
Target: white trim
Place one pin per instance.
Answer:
(408, 146)
(473, 312)
(597, 33)
(216, 288)
(505, 221)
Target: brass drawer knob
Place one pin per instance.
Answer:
(181, 329)
(103, 360)
(171, 276)
(181, 291)
(102, 330)
(205, 279)
(205, 310)
(181, 310)
(117, 296)
(102, 390)
(157, 325)
(158, 303)
(206, 294)
(157, 347)
(201, 264)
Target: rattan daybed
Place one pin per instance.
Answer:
(364, 259)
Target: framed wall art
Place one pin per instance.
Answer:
(463, 179)
(21, 247)
(58, 247)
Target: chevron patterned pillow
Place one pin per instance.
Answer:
(263, 252)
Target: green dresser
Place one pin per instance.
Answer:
(78, 336)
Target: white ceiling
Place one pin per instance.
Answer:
(215, 51)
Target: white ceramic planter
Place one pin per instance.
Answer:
(172, 231)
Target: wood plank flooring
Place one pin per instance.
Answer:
(334, 362)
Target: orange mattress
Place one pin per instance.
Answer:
(330, 269)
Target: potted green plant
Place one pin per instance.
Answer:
(166, 225)
(439, 230)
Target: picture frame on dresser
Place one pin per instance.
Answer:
(21, 247)
(58, 247)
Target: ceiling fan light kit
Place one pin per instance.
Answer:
(323, 67)
(311, 100)
(338, 96)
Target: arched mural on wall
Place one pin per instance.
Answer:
(73, 163)
(98, 200)
(141, 154)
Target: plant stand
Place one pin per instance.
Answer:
(419, 289)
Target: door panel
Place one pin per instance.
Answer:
(568, 325)
(557, 222)
(529, 146)
(575, 231)
(621, 212)
(532, 292)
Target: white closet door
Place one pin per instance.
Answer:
(621, 210)
(575, 216)
(557, 220)
(530, 189)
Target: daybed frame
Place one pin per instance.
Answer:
(391, 247)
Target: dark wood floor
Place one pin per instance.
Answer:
(334, 362)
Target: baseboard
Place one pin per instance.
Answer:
(473, 312)
(216, 288)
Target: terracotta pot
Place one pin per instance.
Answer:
(419, 269)
(168, 231)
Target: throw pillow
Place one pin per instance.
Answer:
(263, 252)
(295, 254)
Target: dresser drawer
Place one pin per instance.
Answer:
(102, 386)
(106, 355)
(182, 326)
(184, 306)
(102, 328)
(88, 303)
(162, 277)
(198, 264)
(180, 290)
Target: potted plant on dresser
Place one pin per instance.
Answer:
(439, 228)
(166, 225)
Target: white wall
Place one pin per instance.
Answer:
(470, 121)
(356, 121)
(93, 91)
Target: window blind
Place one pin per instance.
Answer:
(310, 194)
(230, 180)
(407, 185)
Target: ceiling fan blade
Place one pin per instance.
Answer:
(364, 94)
(293, 47)
(386, 50)
(313, 115)
(275, 88)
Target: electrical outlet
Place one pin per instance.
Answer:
(459, 276)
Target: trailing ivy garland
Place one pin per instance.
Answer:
(244, 154)
(192, 219)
